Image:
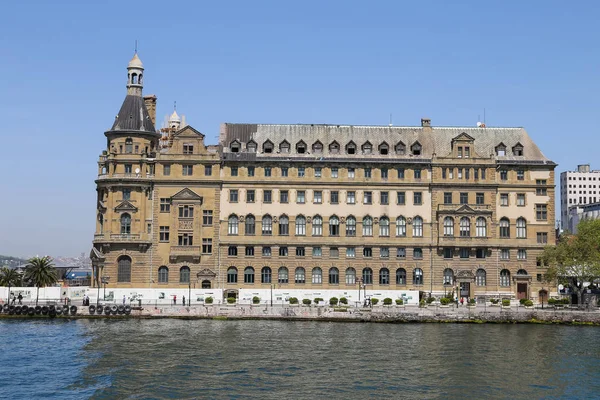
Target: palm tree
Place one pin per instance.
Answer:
(41, 272)
(9, 277)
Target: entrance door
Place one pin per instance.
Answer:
(465, 288)
(543, 296)
(521, 291)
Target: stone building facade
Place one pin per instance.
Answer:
(323, 207)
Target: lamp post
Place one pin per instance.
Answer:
(105, 280)
(271, 295)
(189, 292)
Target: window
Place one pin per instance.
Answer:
(300, 252)
(504, 228)
(301, 147)
(504, 199)
(367, 172)
(284, 225)
(384, 198)
(268, 171)
(300, 275)
(248, 275)
(521, 228)
(520, 199)
(460, 152)
(384, 173)
(417, 253)
(284, 171)
(467, 152)
(467, 173)
(351, 197)
(185, 239)
(367, 252)
(301, 172)
(367, 226)
(518, 150)
(464, 252)
(282, 275)
(444, 173)
(317, 226)
(232, 275)
(334, 276)
(284, 147)
(334, 226)
(417, 173)
(350, 276)
(541, 191)
(163, 274)
(401, 226)
(184, 274)
(448, 226)
(163, 233)
(300, 197)
(265, 275)
(448, 252)
(267, 196)
(233, 196)
(250, 195)
(465, 227)
(267, 225)
(416, 149)
(206, 246)
(351, 148)
(189, 148)
(126, 193)
(447, 197)
(283, 196)
(384, 148)
(250, 171)
(350, 172)
(317, 147)
(350, 252)
(460, 173)
(318, 197)
(300, 225)
(400, 173)
(186, 211)
(250, 225)
(317, 251)
(368, 198)
(207, 217)
(232, 251)
(417, 198)
(541, 212)
(233, 225)
(207, 170)
(542, 237)
(521, 254)
(481, 227)
(418, 227)
(400, 276)
(417, 276)
(483, 173)
(401, 252)
(167, 169)
(125, 224)
(384, 252)
(317, 275)
(124, 269)
(401, 198)
(249, 251)
(128, 168)
(334, 197)
(448, 277)
(128, 146)
(266, 251)
(464, 198)
(504, 175)
(187, 170)
(520, 175)
(351, 226)
(480, 277)
(504, 278)
(318, 172)
(505, 254)
(367, 276)
(384, 276)
(165, 205)
(384, 226)
(334, 172)
(234, 171)
(251, 146)
(500, 150)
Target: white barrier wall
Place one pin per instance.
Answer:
(281, 296)
(29, 293)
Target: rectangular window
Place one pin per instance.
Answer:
(165, 205)
(250, 196)
(318, 172)
(233, 196)
(266, 251)
(503, 175)
(283, 196)
(460, 153)
(479, 198)
(300, 252)
(367, 172)
(267, 171)
(504, 199)
(186, 211)
(417, 198)
(444, 173)
(350, 252)
(521, 199)
(476, 173)
(417, 253)
(401, 198)
(350, 172)
(334, 172)
(451, 173)
(467, 173)
(300, 196)
(401, 252)
(126, 194)
(163, 234)
(368, 198)
(520, 175)
(522, 254)
(417, 173)
(464, 198)
(384, 197)
(284, 171)
(447, 197)
(187, 170)
(317, 251)
(541, 212)
(249, 251)
(483, 173)
(384, 173)
(128, 168)
(185, 239)
(283, 251)
(167, 169)
(448, 252)
(467, 152)
(232, 251)
(207, 170)
(480, 253)
(464, 252)
(351, 197)
(542, 191)
(504, 254)
(384, 252)
(188, 148)
(301, 172)
(460, 173)
(368, 252)
(206, 246)
(334, 252)
(207, 217)
(318, 197)
(267, 196)
(234, 171)
(335, 197)
(400, 173)
(250, 171)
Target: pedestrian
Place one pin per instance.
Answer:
(20, 298)
(462, 299)
(123, 299)
(183, 300)
(13, 299)
(174, 299)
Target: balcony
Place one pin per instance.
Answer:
(185, 252)
(106, 239)
(122, 176)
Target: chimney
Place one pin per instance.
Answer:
(150, 102)
(426, 122)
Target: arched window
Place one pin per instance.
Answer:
(124, 269)
(384, 226)
(401, 226)
(265, 275)
(400, 276)
(233, 225)
(300, 276)
(505, 278)
(267, 225)
(284, 225)
(465, 227)
(317, 275)
(163, 275)
(418, 227)
(232, 275)
(184, 274)
(367, 276)
(350, 226)
(128, 145)
(480, 277)
(317, 226)
(417, 276)
(125, 224)
(250, 225)
(334, 276)
(504, 228)
(334, 226)
(251, 146)
(367, 226)
(521, 272)
(134, 78)
(300, 225)
(350, 276)
(448, 277)
(521, 228)
(248, 275)
(268, 146)
(448, 226)
(384, 276)
(282, 275)
(481, 227)
(206, 284)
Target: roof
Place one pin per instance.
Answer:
(435, 141)
(133, 116)
(135, 62)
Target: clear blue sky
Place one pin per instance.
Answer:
(528, 63)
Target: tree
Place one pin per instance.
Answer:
(576, 258)
(9, 277)
(41, 272)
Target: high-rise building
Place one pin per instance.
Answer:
(578, 188)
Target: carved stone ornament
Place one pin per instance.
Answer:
(308, 220)
(465, 274)
(409, 220)
(343, 220)
(206, 273)
(274, 219)
(376, 220)
(242, 218)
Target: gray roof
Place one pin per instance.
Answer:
(133, 116)
(435, 141)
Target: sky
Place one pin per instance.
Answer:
(533, 64)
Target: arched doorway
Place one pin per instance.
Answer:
(543, 296)
(206, 284)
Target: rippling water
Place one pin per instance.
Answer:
(164, 359)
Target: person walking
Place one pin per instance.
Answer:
(175, 300)
(123, 299)
(20, 298)
(462, 299)
(13, 299)
(183, 300)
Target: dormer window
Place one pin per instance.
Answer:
(235, 146)
(384, 149)
(400, 149)
(317, 147)
(334, 147)
(268, 146)
(416, 149)
(501, 150)
(367, 148)
(467, 152)
(518, 149)
(351, 148)
(301, 147)
(284, 147)
(189, 148)
(251, 146)
(459, 151)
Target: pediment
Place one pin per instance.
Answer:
(187, 194)
(206, 273)
(465, 209)
(188, 131)
(125, 206)
(464, 273)
(464, 136)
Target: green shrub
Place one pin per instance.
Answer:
(255, 300)
(306, 302)
(374, 301)
(528, 303)
(333, 301)
(293, 300)
(399, 302)
(494, 301)
(430, 300)
(505, 302)
(318, 300)
(230, 300)
(566, 300)
(387, 301)
(422, 303)
(343, 300)
(471, 301)
(208, 300)
(551, 301)
(522, 301)
(444, 301)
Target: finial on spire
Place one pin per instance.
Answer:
(136, 46)
(175, 105)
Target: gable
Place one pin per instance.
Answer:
(463, 137)
(125, 206)
(187, 194)
(189, 131)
